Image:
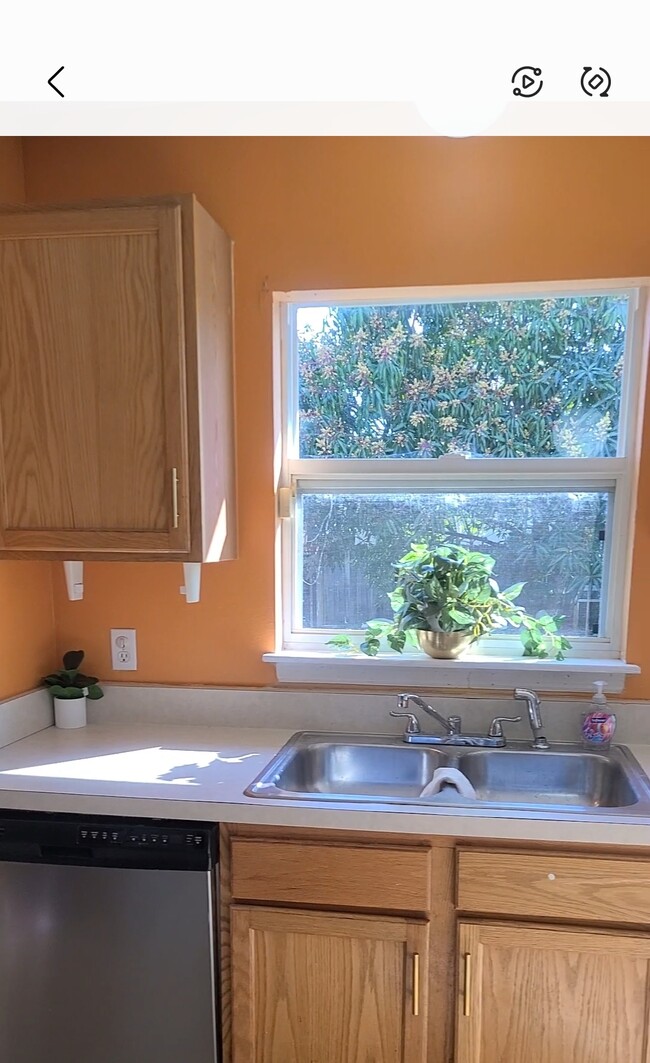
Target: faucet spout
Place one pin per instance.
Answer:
(451, 725)
(534, 715)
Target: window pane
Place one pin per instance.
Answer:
(553, 540)
(501, 378)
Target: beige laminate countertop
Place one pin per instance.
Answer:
(200, 773)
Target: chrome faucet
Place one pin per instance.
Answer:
(451, 725)
(534, 715)
(453, 735)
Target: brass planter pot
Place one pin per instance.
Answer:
(444, 645)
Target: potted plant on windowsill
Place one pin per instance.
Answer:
(445, 598)
(70, 688)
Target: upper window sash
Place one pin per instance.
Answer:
(288, 303)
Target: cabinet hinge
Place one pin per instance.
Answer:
(286, 496)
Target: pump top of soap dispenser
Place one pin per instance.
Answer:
(599, 698)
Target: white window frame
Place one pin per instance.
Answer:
(619, 474)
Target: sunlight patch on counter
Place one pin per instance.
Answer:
(157, 764)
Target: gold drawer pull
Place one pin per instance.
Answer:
(174, 498)
(467, 983)
(416, 984)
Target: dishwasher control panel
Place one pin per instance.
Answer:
(141, 836)
(108, 841)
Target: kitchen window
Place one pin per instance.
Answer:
(507, 420)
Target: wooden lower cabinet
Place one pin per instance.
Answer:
(549, 995)
(311, 987)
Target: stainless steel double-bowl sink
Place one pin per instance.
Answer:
(382, 769)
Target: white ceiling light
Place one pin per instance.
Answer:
(461, 90)
(451, 116)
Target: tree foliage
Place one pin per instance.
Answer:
(526, 378)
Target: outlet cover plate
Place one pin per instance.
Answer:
(124, 654)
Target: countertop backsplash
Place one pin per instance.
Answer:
(300, 710)
(25, 715)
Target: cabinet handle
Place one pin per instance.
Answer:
(467, 984)
(174, 498)
(416, 984)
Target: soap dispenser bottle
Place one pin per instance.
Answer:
(598, 723)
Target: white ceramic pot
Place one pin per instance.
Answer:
(69, 712)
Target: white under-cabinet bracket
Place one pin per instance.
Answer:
(74, 579)
(192, 577)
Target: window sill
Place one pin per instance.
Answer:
(469, 672)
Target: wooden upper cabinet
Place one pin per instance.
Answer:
(116, 424)
(547, 995)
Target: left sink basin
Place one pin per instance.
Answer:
(348, 768)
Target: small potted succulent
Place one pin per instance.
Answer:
(445, 598)
(70, 688)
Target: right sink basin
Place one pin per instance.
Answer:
(546, 777)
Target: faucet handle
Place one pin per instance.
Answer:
(496, 730)
(412, 727)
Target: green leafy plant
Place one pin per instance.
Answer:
(450, 589)
(70, 683)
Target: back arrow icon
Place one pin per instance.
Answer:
(50, 81)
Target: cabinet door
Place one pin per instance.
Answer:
(315, 988)
(551, 996)
(92, 382)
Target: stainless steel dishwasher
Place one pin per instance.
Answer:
(107, 940)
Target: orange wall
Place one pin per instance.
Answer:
(26, 613)
(319, 213)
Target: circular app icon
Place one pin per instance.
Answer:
(595, 81)
(527, 81)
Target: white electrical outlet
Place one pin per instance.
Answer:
(123, 649)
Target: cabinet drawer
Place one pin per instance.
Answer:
(338, 876)
(546, 885)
